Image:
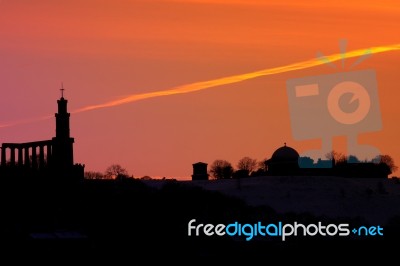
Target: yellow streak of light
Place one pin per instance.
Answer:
(202, 85)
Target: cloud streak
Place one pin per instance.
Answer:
(25, 121)
(203, 85)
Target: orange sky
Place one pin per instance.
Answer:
(106, 50)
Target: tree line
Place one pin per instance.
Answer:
(222, 169)
(114, 171)
(246, 166)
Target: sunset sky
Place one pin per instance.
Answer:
(105, 51)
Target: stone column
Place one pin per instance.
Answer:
(41, 156)
(27, 159)
(20, 157)
(49, 154)
(34, 158)
(3, 155)
(12, 155)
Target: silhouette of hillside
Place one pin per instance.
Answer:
(374, 200)
(129, 219)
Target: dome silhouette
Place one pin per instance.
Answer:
(285, 154)
(283, 161)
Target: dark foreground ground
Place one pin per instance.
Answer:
(128, 220)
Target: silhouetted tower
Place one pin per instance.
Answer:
(62, 153)
(200, 171)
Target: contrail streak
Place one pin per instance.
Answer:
(25, 121)
(202, 85)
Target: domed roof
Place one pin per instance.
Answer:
(285, 153)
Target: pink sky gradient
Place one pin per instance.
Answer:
(106, 50)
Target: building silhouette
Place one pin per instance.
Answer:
(200, 171)
(287, 161)
(283, 161)
(47, 158)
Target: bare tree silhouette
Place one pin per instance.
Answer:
(338, 157)
(114, 171)
(221, 169)
(388, 160)
(247, 164)
(93, 175)
(262, 165)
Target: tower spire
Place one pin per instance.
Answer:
(62, 147)
(62, 90)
